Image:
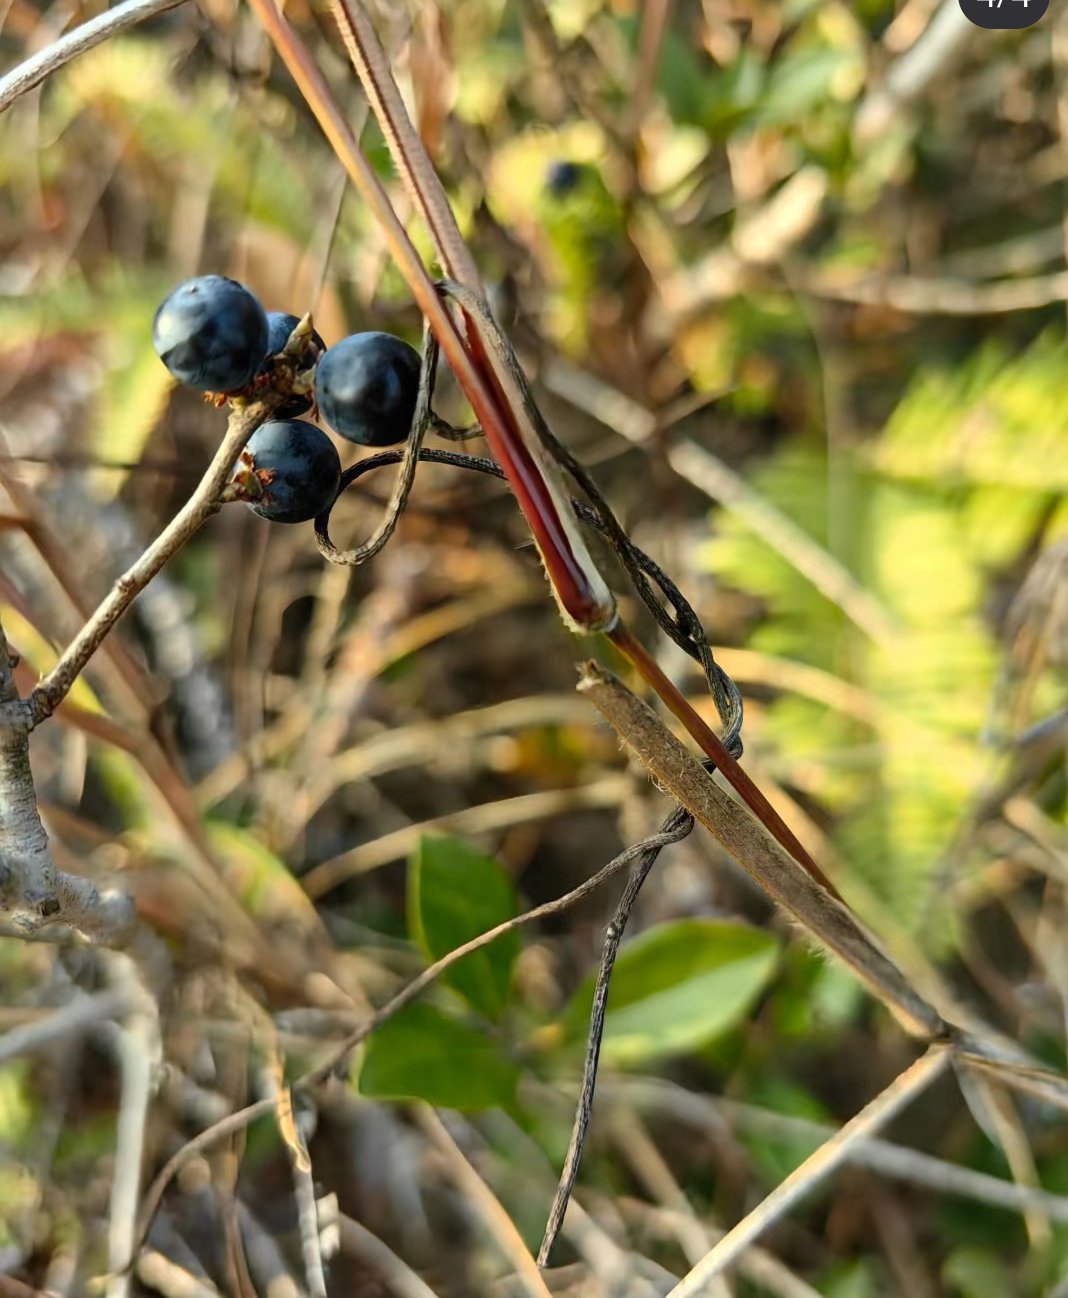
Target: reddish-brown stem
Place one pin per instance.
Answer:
(568, 578)
(710, 745)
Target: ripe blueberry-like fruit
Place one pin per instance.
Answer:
(562, 177)
(211, 334)
(366, 388)
(298, 469)
(280, 324)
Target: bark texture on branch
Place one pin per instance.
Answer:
(31, 888)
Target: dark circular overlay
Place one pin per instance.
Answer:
(1004, 15)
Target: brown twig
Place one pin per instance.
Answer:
(486, 1204)
(676, 827)
(201, 505)
(901, 1091)
(395, 1273)
(668, 761)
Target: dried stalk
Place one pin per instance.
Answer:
(486, 1204)
(581, 593)
(519, 435)
(827, 919)
(901, 1091)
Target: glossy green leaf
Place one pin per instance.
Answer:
(422, 1053)
(454, 893)
(676, 987)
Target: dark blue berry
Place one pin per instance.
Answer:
(280, 324)
(366, 388)
(211, 333)
(562, 178)
(298, 469)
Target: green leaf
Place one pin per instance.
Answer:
(676, 987)
(423, 1054)
(455, 893)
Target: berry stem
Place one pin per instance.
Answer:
(205, 501)
(581, 592)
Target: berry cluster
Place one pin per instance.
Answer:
(213, 335)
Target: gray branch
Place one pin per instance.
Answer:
(31, 888)
(86, 37)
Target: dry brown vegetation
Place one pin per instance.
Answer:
(796, 301)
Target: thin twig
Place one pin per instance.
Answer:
(676, 827)
(200, 506)
(81, 1014)
(402, 486)
(887, 1159)
(164, 1276)
(140, 1049)
(263, 1253)
(240, 1119)
(756, 1264)
(431, 973)
(669, 762)
(942, 295)
(301, 1168)
(481, 818)
(36, 69)
(393, 1271)
(1004, 1123)
(902, 1091)
(912, 72)
(485, 1202)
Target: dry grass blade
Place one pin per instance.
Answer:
(580, 590)
(376, 76)
(485, 1203)
(481, 818)
(814, 1169)
(764, 859)
(395, 1273)
(898, 1162)
(140, 1050)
